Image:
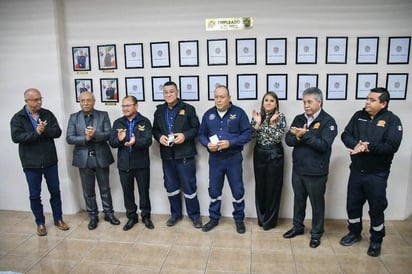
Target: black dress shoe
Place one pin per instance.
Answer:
(240, 227)
(92, 224)
(112, 219)
(197, 223)
(314, 242)
(148, 223)
(291, 233)
(210, 225)
(374, 249)
(350, 239)
(173, 220)
(130, 223)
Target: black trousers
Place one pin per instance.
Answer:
(268, 162)
(142, 176)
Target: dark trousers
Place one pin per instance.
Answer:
(314, 187)
(268, 170)
(181, 173)
(34, 179)
(370, 187)
(231, 166)
(142, 176)
(88, 177)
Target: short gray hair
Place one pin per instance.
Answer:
(316, 92)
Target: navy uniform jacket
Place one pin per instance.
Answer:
(384, 134)
(311, 154)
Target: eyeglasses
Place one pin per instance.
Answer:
(127, 106)
(35, 100)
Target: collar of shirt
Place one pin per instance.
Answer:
(310, 119)
(33, 120)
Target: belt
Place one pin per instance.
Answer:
(92, 153)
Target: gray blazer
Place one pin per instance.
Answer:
(76, 136)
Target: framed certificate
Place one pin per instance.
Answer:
(160, 54)
(336, 86)
(397, 85)
(157, 87)
(217, 52)
(135, 87)
(276, 51)
(133, 56)
(215, 81)
(189, 88)
(305, 81)
(246, 86)
(398, 50)
(278, 83)
(306, 50)
(246, 51)
(367, 50)
(189, 53)
(364, 83)
(107, 57)
(336, 50)
(82, 85)
(109, 90)
(81, 58)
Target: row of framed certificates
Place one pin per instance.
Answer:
(217, 52)
(247, 86)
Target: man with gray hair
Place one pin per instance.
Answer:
(311, 135)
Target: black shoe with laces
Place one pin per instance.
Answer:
(148, 223)
(130, 223)
(210, 225)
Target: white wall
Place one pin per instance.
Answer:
(37, 37)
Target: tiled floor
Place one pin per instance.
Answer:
(184, 249)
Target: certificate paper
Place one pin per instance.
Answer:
(214, 139)
(367, 50)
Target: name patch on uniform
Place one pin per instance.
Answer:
(381, 123)
(232, 116)
(182, 112)
(316, 125)
(212, 116)
(140, 127)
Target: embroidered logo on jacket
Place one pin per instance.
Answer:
(381, 123)
(182, 112)
(232, 116)
(316, 125)
(140, 127)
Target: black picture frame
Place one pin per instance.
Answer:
(367, 50)
(336, 50)
(278, 83)
(213, 81)
(305, 81)
(160, 54)
(246, 51)
(398, 50)
(107, 57)
(336, 86)
(276, 51)
(135, 86)
(81, 58)
(189, 87)
(189, 53)
(216, 52)
(397, 85)
(133, 56)
(247, 86)
(364, 83)
(82, 85)
(109, 90)
(306, 50)
(157, 87)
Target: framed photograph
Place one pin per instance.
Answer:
(367, 50)
(133, 56)
(189, 88)
(364, 83)
(336, 86)
(306, 81)
(336, 50)
(397, 85)
(215, 81)
(246, 86)
(246, 51)
(157, 87)
(81, 58)
(216, 52)
(109, 90)
(278, 83)
(189, 53)
(82, 85)
(107, 57)
(135, 87)
(306, 50)
(276, 51)
(398, 50)
(160, 54)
